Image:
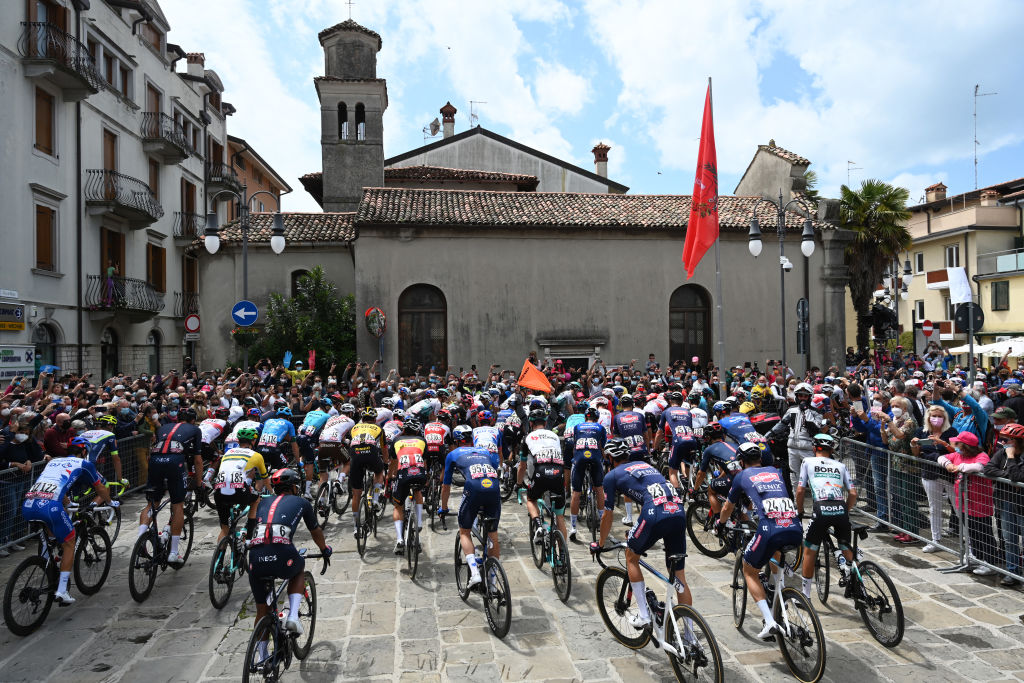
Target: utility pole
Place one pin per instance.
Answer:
(976, 96)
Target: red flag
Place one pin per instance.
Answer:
(532, 378)
(312, 359)
(702, 229)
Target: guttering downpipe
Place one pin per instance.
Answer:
(138, 7)
(79, 206)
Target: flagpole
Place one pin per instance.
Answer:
(719, 322)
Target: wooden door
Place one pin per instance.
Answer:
(152, 99)
(109, 164)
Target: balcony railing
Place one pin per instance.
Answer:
(188, 225)
(1010, 262)
(185, 303)
(165, 136)
(937, 279)
(223, 175)
(138, 298)
(52, 52)
(122, 195)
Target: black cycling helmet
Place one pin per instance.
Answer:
(538, 416)
(285, 479)
(713, 431)
(186, 415)
(626, 400)
(592, 413)
(616, 449)
(412, 426)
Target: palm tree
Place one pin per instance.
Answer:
(811, 184)
(877, 213)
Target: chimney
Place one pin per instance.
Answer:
(196, 63)
(601, 159)
(448, 119)
(989, 197)
(934, 193)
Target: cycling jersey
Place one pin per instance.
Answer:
(308, 433)
(656, 406)
(235, 470)
(336, 429)
(488, 438)
(425, 409)
(588, 440)
(232, 440)
(384, 415)
(278, 519)
(101, 443)
(570, 424)
(542, 453)
(767, 493)
(721, 457)
(276, 431)
(438, 438)
(642, 484)
(604, 418)
(211, 429)
(44, 501)
(410, 453)
(676, 423)
(391, 428)
(367, 438)
(481, 492)
(503, 415)
(177, 438)
(632, 428)
(741, 430)
(828, 481)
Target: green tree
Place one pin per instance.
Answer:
(811, 184)
(877, 213)
(316, 318)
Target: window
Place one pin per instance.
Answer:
(296, 276)
(342, 121)
(152, 37)
(919, 262)
(689, 321)
(950, 308)
(422, 330)
(154, 340)
(1001, 295)
(109, 353)
(952, 255)
(44, 337)
(919, 310)
(156, 264)
(109, 151)
(195, 138)
(188, 196)
(46, 238)
(126, 82)
(45, 138)
(111, 252)
(154, 177)
(108, 67)
(152, 98)
(360, 122)
(190, 274)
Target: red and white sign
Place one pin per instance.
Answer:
(192, 323)
(926, 328)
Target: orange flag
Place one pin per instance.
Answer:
(532, 378)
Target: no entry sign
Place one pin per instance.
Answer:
(926, 328)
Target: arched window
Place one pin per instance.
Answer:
(109, 353)
(422, 330)
(342, 121)
(296, 276)
(689, 324)
(154, 351)
(45, 339)
(360, 122)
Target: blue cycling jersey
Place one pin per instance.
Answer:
(275, 432)
(766, 490)
(313, 423)
(502, 416)
(488, 438)
(59, 475)
(740, 429)
(588, 439)
(643, 484)
(676, 422)
(101, 443)
(570, 424)
(478, 465)
(631, 427)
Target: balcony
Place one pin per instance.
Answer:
(221, 177)
(188, 226)
(948, 331)
(937, 279)
(185, 303)
(110, 192)
(136, 300)
(164, 137)
(54, 55)
(997, 263)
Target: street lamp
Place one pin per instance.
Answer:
(806, 248)
(211, 236)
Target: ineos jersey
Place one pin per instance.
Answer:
(59, 475)
(179, 437)
(632, 428)
(642, 484)
(542, 453)
(279, 517)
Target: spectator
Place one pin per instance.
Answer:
(18, 452)
(898, 432)
(1014, 401)
(931, 443)
(869, 424)
(57, 437)
(965, 463)
(1008, 498)
(964, 412)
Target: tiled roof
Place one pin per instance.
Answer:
(936, 186)
(791, 157)
(1014, 195)
(1006, 190)
(298, 227)
(349, 25)
(392, 206)
(339, 79)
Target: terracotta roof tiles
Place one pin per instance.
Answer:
(782, 153)
(298, 227)
(349, 25)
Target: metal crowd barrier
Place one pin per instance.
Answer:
(919, 498)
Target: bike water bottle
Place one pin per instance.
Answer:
(208, 475)
(165, 535)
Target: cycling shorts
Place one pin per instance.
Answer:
(476, 500)
(224, 503)
(821, 522)
(52, 514)
(660, 522)
(555, 485)
(208, 451)
(683, 450)
(405, 483)
(721, 485)
(331, 453)
(765, 543)
(361, 462)
(307, 447)
(581, 464)
(273, 561)
(167, 472)
(275, 457)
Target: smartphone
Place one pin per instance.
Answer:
(925, 443)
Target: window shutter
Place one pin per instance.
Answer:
(44, 121)
(44, 238)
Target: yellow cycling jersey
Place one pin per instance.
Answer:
(364, 434)
(233, 460)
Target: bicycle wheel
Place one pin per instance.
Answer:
(187, 532)
(880, 605)
(699, 658)
(507, 481)
(497, 597)
(341, 494)
(307, 615)
(739, 593)
(536, 545)
(92, 560)
(142, 567)
(432, 499)
(412, 544)
(222, 574)
(461, 570)
(28, 596)
(111, 522)
(699, 526)
(615, 601)
(266, 666)
(803, 646)
(322, 502)
(593, 515)
(822, 564)
(561, 565)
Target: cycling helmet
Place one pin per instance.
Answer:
(721, 407)
(247, 434)
(250, 402)
(222, 413)
(463, 434)
(1010, 430)
(581, 407)
(388, 403)
(284, 410)
(734, 400)
(619, 389)
(694, 396)
(574, 386)
(82, 442)
(285, 478)
(538, 416)
(747, 384)
(398, 414)
(444, 416)
(442, 392)
(625, 400)
(713, 431)
(826, 441)
(747, 407)
(616, 449)
(412, 426)
(369, 413)
(254, 413)
(186, 415)
(108, 419)
(431, 393)
(513, 401)
(675, 396)
(347, 409)
(591, 414)
(485, 416)
(819, 401)
(803, 388)
(749, 452)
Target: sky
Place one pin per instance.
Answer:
(886, 86)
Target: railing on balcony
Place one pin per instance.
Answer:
(937, 279)
(996, 262)
(122, 294)
(161, 128)
(123, 195)
(43, 41)
(222, 174)
(185, 303)
(188, 225)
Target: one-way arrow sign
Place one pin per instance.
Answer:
(244, 313)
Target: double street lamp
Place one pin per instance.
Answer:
(806, 247)
(895, 286)
(211, 236)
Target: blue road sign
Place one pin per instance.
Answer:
(244, 313)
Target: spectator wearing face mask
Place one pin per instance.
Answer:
(898, 433)
(964, 411)
(1009, 501)
(57, 437)
(18, 450)
(932, 442)
(967, 461)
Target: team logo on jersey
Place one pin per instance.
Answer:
(764, 477)
(486, 483)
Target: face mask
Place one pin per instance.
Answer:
(20, 438)
(936, 421)
(897, 413)
(227, 392)
(125, 412)
(173, 414)
(5, 412)
(875, 405)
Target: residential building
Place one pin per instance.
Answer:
(257, 176)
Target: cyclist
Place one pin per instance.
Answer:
(662, 517)
(801, 423)
(833, 496)
(438, 436)
(367, 446)
(631, 427)
(44, 502)
(587, 443)
(425, 408)
(102, 442)
(233, 485)
(480, 493)
(251, 421)
(778, 525)
(272, 555)
(168, 471)
(333, 438)
(486, 435)
(211, 429)
(698, 415)
(408, 468)
(385, 411)
(676, 423)
(393, 427)
(277, 439)
(308, 438)
(542, 468)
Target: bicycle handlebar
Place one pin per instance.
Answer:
(595, 554)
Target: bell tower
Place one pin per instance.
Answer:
(352, 104)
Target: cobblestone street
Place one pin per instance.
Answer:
(376, 624)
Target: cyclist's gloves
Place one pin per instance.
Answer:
(594, 547)
(327, 552)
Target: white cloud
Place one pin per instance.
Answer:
(559, 89)
(914, 183)
(616, 160)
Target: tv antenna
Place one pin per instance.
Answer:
(976, 143)
(474, 119)
(430, 130)
(850, 167)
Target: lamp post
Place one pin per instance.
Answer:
(806, 247)
(896, 285)
(211, 237)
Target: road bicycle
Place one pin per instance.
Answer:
(550, 546)
(368, 516)
(679, 630)
(332, 495)
(873, 593)
(700, 524)
(230, 558)
(494, 583)
(105, 516)
(149, 554)
(280, 643)
(412, 535)
(507, 479)
(432, 492)
(801, 638)
(590, 515)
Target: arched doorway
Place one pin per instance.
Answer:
(45, 339)
(154, 352)
(422, 330)
(689, 326)
(109, 354)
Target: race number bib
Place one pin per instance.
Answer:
(478, 471)
(42, 490)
